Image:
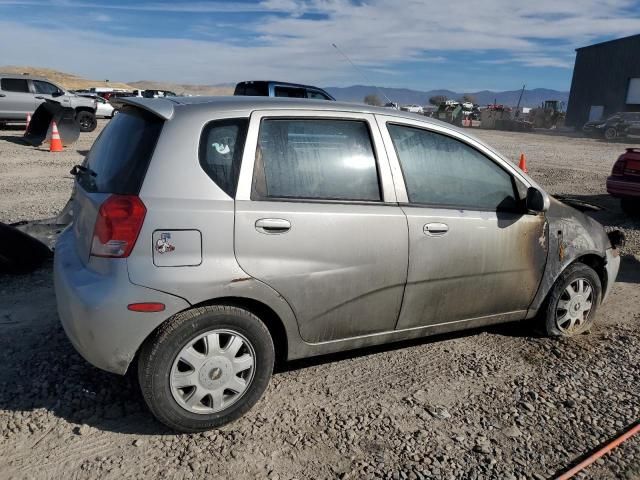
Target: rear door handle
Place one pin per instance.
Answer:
(272, 225)
(435, 229)
(2, 95)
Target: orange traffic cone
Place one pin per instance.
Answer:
(26, 129)
(55, 144)
(523, 163)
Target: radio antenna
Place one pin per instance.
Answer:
(361, 72)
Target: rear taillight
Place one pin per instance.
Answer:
(117, 226)
(618, 167)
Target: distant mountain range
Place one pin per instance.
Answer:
(354, 93)
(405, 96)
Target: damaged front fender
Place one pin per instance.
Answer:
(572, 235)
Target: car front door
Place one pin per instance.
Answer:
(474, 253)
(317, 220)
(16, 101)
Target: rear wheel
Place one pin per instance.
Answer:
(87, 121)
(571, 305)
(206, 367)
(610, 133)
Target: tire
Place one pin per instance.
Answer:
(87, 121)
(630, 206)
(610, 133)
(557, 324)
(161, 365)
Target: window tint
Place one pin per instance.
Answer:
(14, 85)
(221, 147)
(439, 170)
(316, 159)
(316, 95)
(254, 89)
(290, 92)
(119, 158)
(45, 87)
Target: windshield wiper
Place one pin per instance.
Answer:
(78, 169)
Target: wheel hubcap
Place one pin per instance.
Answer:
(212, 371)
(574, 306)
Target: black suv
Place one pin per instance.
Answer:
(621, 124)
(280, 89)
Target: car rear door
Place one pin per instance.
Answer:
(16, 100)
(317, 220)
(473, 252)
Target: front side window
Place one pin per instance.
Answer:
(221, 147)
(45, 87)
(316, 95)
(315, 159)
(14, 85)
(442, 171)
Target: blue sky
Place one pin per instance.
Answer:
(462, 45)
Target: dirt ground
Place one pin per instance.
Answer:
(490, 403)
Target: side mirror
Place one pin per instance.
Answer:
(57, 93)
(536, 200)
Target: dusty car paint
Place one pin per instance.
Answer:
(289, 291)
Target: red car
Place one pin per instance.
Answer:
(624, 181)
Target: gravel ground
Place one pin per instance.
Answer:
(490, 403)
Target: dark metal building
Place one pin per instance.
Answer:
(606, 80)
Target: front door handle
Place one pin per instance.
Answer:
(2, 95)
(435, 229)
(273, 225)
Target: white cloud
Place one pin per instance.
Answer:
(376, 35)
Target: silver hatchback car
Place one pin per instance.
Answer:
(212, 236)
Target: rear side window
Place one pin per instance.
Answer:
(442, 171)
(290, 92)
(253, 89)
(14, 85)
(221, 147)
(118, 160)
(315, 159)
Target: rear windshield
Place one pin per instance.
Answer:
(119, 158)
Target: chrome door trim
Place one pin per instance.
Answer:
(245, 178)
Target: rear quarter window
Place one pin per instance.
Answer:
(119, 158)
(221, 147)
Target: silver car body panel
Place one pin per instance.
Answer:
(302, 279)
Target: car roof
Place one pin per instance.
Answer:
(25, 77)
(164, 107)
(284, 84)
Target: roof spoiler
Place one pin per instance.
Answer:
(158, 106)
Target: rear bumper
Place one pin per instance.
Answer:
(618, 187)
(612, 267)
(92, 305)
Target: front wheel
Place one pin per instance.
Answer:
(87, 121)
(610, 133)
(571, 305)
(206, 367)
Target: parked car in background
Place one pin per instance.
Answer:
(261, 88)
(103, 108)
(156, 93)
(289, 236)
(622, 124)
(624, 181)
(413, 109)
(392, 105)
(22, 94)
